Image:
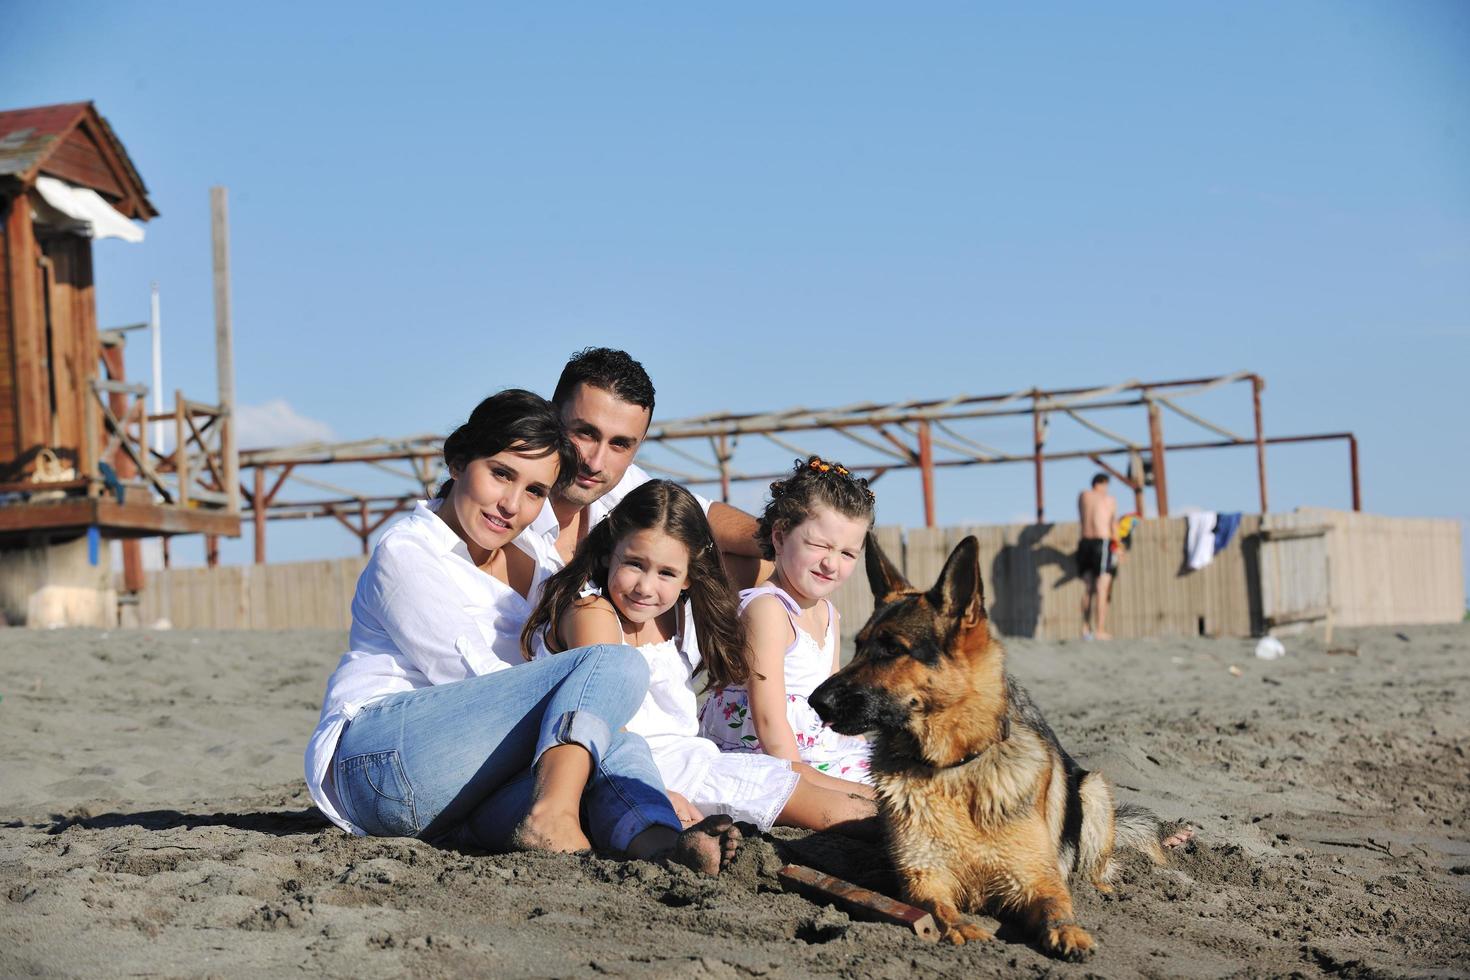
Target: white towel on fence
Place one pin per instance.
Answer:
(1199, 540)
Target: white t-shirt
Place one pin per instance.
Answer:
(423, 614)
(539, 539)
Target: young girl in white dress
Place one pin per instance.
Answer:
(650, 576)
(813, 529)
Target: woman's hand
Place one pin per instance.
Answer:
(687, 812)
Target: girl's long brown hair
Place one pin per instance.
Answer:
(667, 507)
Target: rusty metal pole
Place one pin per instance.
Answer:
(721, 454)
(1256, 386)
(362, 514)
(1135, 481)
(1353, 462)
(926, 471)
(258, 505)
(1038, 440)
(211, 550)
(1156, 450)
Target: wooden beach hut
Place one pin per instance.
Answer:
(74, 458)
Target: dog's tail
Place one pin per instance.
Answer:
(1137, 829)
(1108, 825)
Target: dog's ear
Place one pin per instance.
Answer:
(883, 578)
(960, 593)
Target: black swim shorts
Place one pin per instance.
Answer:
(1092, 556)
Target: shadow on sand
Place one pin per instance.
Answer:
(280, 823)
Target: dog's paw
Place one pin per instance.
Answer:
(1068, 941)
(1179, 838)
(962, 932)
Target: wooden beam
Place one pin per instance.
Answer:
(28, 327)
(117, 520)
(224, 345)
(127, 447)
(858, 902)
(205, 454)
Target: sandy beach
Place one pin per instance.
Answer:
(153, 821)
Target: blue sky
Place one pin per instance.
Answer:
(774, 205)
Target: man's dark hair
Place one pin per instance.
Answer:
(611, 370)
(1100, 478)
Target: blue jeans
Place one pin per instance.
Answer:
(453, 763)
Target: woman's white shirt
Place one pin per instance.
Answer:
(423, 614)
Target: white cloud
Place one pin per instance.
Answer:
(276, 423)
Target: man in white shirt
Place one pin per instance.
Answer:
(606, 402)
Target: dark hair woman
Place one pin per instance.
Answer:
(434, 727)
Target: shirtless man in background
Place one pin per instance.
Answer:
(1097, 512)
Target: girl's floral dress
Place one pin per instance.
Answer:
(725, 717)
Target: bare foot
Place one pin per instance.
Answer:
(550, 831)
(1178, 838)
(1102, 635)
(708, 846)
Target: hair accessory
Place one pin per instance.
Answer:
(821, 467)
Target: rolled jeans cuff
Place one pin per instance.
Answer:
(577, 728)
(633, 823)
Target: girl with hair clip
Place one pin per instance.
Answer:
(650, 576)
(813, 529)
(434, 727)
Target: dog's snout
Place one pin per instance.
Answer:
(850, 709)
(823, 700)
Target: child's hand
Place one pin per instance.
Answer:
(687, 812)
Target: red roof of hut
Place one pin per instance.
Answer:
(72, 141)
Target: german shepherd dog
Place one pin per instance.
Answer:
(984, 809)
